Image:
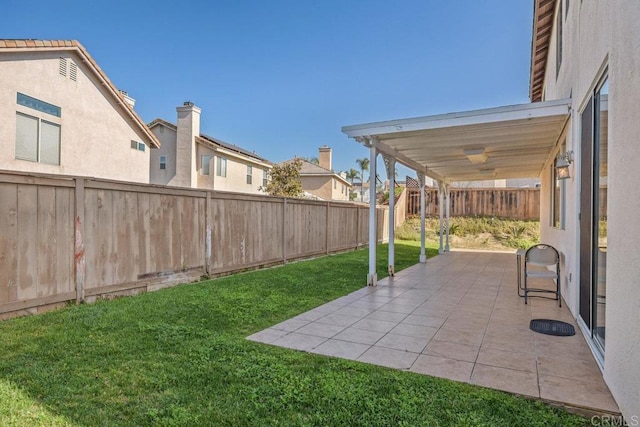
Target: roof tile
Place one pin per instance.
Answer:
(11, 43)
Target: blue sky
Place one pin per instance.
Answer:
(281, 77)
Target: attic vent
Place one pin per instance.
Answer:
(62, 67)
(73, 71)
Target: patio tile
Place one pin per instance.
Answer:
(417, 331)
(442, 367)
(389, 357)
(568, 368)
(507, 359)
(397, 308)
(388, 316)
(403, 342)
(342, 349)
(320, 330)
(354, 311)
(458, 336)
(299, 341)
(509, 339)
(452, 350)
(310, 316)
(374, 325)
(577, 392)
(520, 382)
(361, 336)
(338, 320)
(290, 325)
(267, 336)
(416, 319)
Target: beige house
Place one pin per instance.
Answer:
(321, 181)
(60, 114)
(188, 158)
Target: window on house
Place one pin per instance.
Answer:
(558, 195)
(38, 105)
(249, 174)
(335, 184)
(37, 140)
(205, 162)
(135, 145)
(265, 178)
(221, 166)
(559, 39)
(141, 146)
(163, 162)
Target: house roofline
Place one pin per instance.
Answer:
(29, 45)
(543, 21)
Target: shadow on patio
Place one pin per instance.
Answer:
(457, 317)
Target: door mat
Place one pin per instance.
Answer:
(552, 327)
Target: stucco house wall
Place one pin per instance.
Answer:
(96, 130)
(603, 37)
(183, 147)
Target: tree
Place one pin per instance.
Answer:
(364, 166)
(285, 179)
(352, 174)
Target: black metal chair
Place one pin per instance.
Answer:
(542, 256)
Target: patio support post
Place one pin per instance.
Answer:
(390, 165)
(441, 211)
(447, 192)
(423, 255)
(372, 278)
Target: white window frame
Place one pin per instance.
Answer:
(205, 164)
(221, 166)
(163, 162)
(249, 174)
(38, 142)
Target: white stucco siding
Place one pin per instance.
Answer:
(96, 133)
(622, 353)
(604, 36)
(167, 138)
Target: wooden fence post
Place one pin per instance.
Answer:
(208, 232)
(78, 252)
(284, 230)
(326, 230)
(357, 226)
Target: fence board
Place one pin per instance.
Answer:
(8, 242)
(515, 203)
(137, 237)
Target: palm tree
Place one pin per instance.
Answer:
(364, 166)
(352, 174)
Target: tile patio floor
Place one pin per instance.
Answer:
(457, 317)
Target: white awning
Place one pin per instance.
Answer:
(495, 143)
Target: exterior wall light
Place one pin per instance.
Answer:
(563, 161)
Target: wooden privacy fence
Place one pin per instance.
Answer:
(515, 203)
(73, 238)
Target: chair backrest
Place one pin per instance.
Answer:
(542, 255)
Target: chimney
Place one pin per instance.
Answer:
(324, 157)
(129, 100)
(188, 129)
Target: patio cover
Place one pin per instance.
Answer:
(514, 141)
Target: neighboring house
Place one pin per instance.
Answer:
(188, 158)
(321, 181)
(60, 114)
(583, 119)
(361, 190)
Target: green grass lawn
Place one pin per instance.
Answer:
(179, 357)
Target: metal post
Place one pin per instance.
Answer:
(441, 210)
(372, 278)
(423, 254)
(447, 193)
(390, 164)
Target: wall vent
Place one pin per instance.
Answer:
(62, 67)
(73, 71)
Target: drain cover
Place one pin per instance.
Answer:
(552, 327)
